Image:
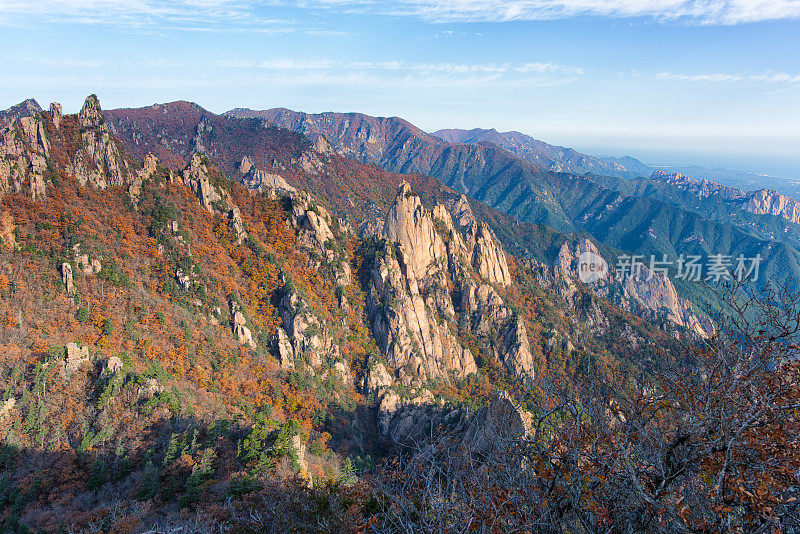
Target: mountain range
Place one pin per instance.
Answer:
(646, 216)
(212, 317)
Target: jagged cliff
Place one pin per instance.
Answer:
(759, 202)
(647, 293)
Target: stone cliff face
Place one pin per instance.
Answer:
(100, 162)
(414, 314)
(650, 293)
(769, 202)
(24, 152)
(214, 198)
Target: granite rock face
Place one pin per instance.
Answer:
(260, 180)
(650, 293)
(426, 277)
(24, 152)
(100, 162)
(204, 180)
(320, 235)
(759, 202)
(66, 277)
(75, 357)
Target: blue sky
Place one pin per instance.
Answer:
(714, 82)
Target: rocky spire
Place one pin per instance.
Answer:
(101, 162)
(90, 115)
(411, 226)
(56, 114)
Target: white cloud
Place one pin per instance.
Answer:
(716, 77)
(190, 15)
(724, 12)
(132, 12)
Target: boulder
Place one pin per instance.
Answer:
(112, 365)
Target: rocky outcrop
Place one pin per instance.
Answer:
(196, 176)
(205, 182)
(303, 337)
(242, 333)
(299, 453)
(56, 114)
(502, 420)
(75, 356)
(488, 258)
(27, 108)
(112, 365)
(650, 293)
(410, 226)
(769, 202)
(87, 265)
(24, 151)
(760, 202)
(149, 389)
(317, 233)
(408, 327)
(462, 212)
(66, 276)
(148, 169)
(259, 180)
(8, 405)
(412, 310)
(99, 162)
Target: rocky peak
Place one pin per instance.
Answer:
(100, 163)
(27, 108)
(24, 149)
(91, 115)
(56, 114)
(649, 293)
(488, 257)
(196, 177)
(411, 226)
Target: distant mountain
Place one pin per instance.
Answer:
(745, 180)
(641, 215)
(546, 156)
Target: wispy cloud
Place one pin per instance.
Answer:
(766, 77)
(403, 72)
(185, 15)
(706, 12)
(245, 13)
